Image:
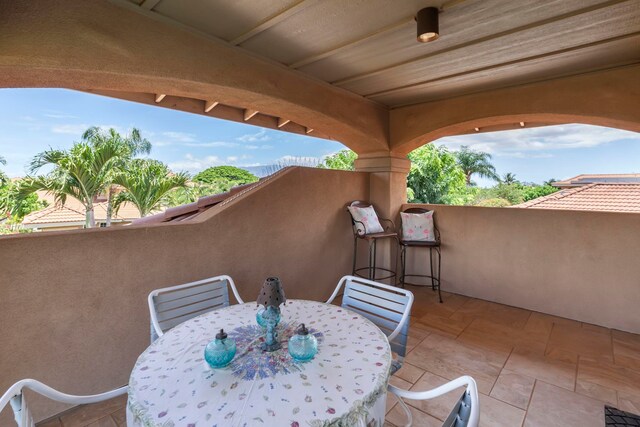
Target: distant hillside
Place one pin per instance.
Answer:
(259, 171)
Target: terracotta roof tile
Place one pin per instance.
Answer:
(73, 212)
(591, 197)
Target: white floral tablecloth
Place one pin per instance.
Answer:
(344, 385)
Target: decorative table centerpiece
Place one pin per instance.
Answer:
(271, 297)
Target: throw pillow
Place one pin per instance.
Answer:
(367, 217)
(418, 227)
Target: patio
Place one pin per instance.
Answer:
(502, 66)
(532, 369)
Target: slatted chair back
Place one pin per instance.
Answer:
(168, 307)
(14, 396)
(386, 306)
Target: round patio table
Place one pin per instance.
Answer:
(343, 385)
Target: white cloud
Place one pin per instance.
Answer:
(195, 164)
(232, 159)
(59, 116)
(70, 129)
(531, 142)
(180, 136)
(212, 144)
(255, 137)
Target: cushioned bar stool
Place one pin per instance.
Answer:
(367, 225)
(419, 230)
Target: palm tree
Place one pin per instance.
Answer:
(475, 162)
(146, 183)
(509, 178)
(83, 172)
(128, 146)
(3, 178)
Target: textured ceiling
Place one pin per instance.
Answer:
(368, 46)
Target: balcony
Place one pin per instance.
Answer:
(539, 306)
(562, 348)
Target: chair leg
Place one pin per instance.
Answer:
(355, 255)
(375, 253)
(439, 254)
(433, 282)
(406, 411)
(403, 264)
(371, 243)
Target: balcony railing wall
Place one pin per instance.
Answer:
(73, 304)
(580, 265)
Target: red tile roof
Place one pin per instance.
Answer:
(603, 178)
(72, 213)
(192, 210)
(591, 197)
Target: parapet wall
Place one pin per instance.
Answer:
(579, 265)
(73, 305)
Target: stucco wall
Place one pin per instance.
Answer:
(73, 304)
(580, 265)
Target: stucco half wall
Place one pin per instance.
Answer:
(73, 304)
(579, 265)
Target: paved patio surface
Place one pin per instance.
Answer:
(532, 369)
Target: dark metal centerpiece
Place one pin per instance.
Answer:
(271, 296)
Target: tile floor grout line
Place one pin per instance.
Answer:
(575, 382)
(533, 389)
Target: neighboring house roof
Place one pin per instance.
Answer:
(591, 197)
(609, 178)
(192, 210)
(73, 213)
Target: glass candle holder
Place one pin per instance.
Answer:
(260, 320)
(219, 352)
(303, 346)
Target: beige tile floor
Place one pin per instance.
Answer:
(532, 369)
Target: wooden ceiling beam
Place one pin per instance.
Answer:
(500, 65)
(210, 105)
(149, 4)
(248, 114)
(272, 20)
(282, 122)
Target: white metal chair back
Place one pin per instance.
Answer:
(386, 306)
(466, 411)
(15, 397)
(171, 306)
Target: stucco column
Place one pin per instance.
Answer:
(387, 191)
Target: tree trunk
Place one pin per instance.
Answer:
(90, 218)
(109, 206)
(468, 179)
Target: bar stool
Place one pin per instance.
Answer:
(432, 245)
(360, 233)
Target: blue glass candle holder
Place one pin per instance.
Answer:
(303, 346)
(260, 320)
(219, 352)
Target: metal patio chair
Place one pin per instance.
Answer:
(360, 233)
(15, 397)
(168, 307)
(434, 249)
(465, 413)
(386, 306)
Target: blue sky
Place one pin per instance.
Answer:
(35, 119)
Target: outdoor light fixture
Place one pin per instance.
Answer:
(427, 23)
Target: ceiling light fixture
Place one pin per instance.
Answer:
(476, 129)
(521, 124)
(427, 23)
